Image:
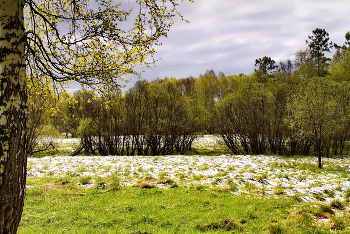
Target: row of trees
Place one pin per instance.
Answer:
(300, 107)
(287, 117)
(150, 119)
(256, 114)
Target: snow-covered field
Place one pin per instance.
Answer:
(270, 175)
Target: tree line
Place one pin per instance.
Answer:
(291, 108)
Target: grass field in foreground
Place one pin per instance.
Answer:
(61, 206)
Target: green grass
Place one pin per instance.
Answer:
(59, 205)
(213, 150)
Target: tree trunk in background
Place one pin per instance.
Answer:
(13, 111)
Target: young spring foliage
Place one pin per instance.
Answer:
(94, 43)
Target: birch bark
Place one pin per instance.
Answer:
(13, 142)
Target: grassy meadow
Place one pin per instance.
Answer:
(64, 207)
(62, 204)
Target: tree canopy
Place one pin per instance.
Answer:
(94, 42)
(266, 64)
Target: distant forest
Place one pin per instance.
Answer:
(299, 107)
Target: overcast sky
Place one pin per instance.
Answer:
(228, 35)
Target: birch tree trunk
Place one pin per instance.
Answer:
(13, 110)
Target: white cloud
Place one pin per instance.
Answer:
(228, 36)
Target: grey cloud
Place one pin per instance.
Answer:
(228, 36)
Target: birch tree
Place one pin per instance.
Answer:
(93, 42)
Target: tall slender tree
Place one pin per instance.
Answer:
(94, 43)
(318, 43)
